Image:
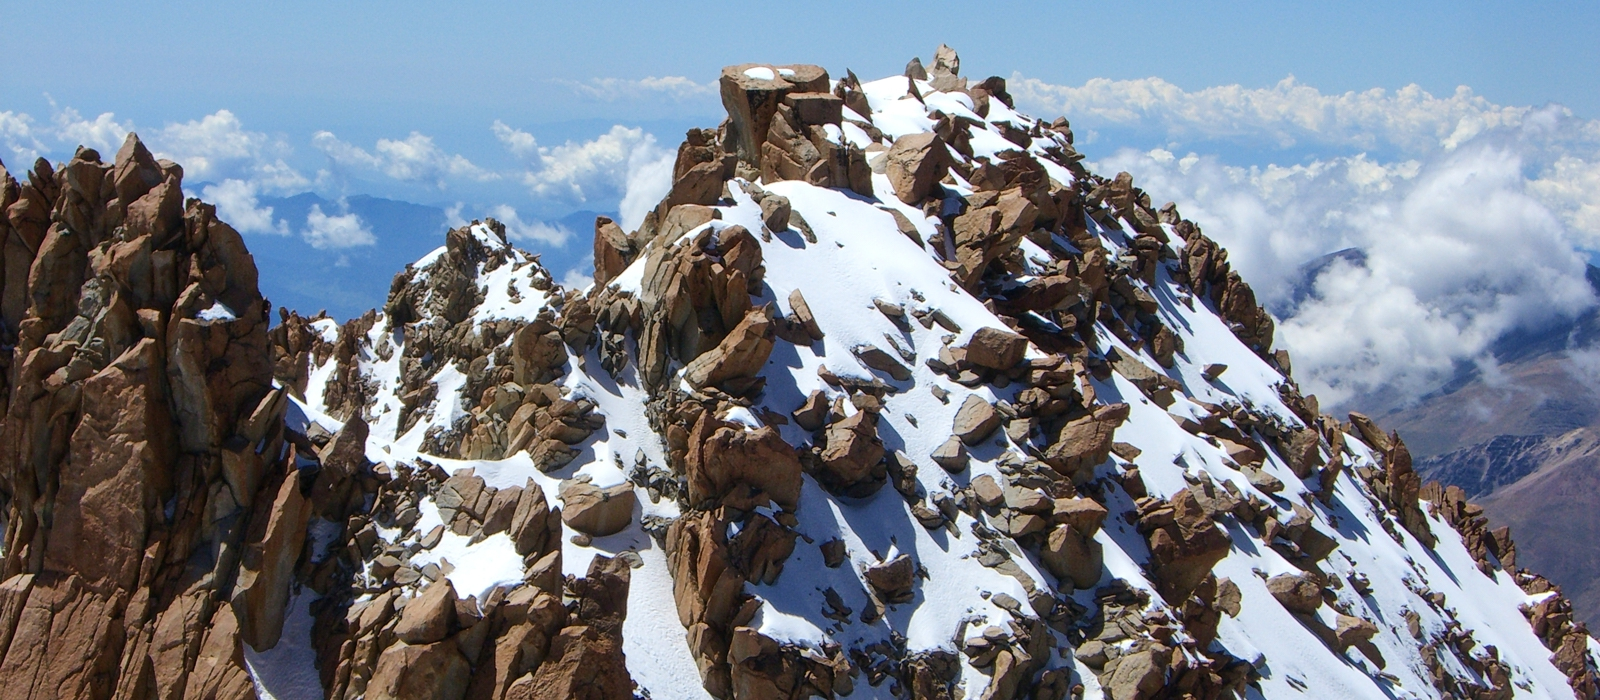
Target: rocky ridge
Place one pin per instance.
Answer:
(1100, 480)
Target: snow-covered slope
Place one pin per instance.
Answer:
(757, 407)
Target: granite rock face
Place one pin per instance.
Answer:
(154, 513)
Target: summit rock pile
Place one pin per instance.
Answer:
(888, 397)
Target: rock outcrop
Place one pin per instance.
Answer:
(143, 463)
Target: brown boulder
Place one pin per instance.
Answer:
(851, 461)
(1371, 433)
(812, 414)
(502, 509)
(1405, 487)
(739, 467)
(461, 495)
(775, 211)
(915, 165)
(893, 580)
(530, 529)
(876, 358)
(945, 61)
(801, 318)
(996, 349)
(915, 70)
(1139, 675)
(536, 349)
(683, 218)
(1229, 597)
(1240, 453)
(752, 94)
(612, 251)
(135, 171)
(1083, 514)
(434, 671)
(988, 491)
(761, 548)
(597, 511)
(951, 455)
(1303, 452)
(741, 354)
(1351, 631)
(975, 421)
(1073, 556)
(1026, 500)
(815, 108)
(1163, 346)
(1085, 443)
(1297, 593)
(1184, 544)
(262, 591)
(701, 185)
(159, 212)
(428, 617)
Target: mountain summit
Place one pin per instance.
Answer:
(888, 397)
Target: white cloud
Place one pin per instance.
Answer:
(1283, 115)
(579, 277)
(236, 204)
(17, 134)
(326, 232)
(585, 171)
(1571, 186)
(1474, 217)
(675, 87)
(214, 148)
(278, 176)
(103, 133)
(217, 146)
(1459, 251)
(453, 217)
(529, 231)
(415, 159)
(648, 182)
(519, 142)
(201, 144)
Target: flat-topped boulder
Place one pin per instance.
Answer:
(751, 92)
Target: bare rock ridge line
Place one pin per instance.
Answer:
(158, 501)
(495, 487)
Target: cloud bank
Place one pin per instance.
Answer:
(582, 172)
(1283, 115)
(529, 232)
(236, 167)
(414, 159)
(673, 87)
(237, 204)
(1477, 222)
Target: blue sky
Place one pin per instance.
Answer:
(415, 65)
(1468, 127)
